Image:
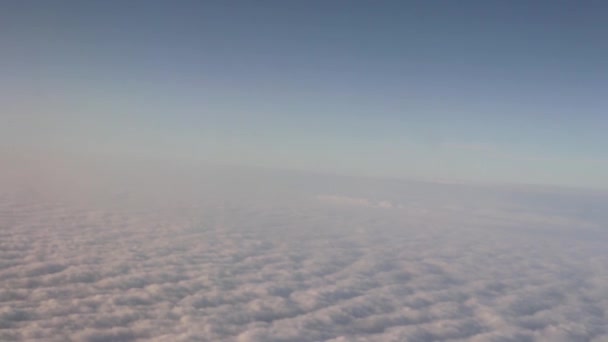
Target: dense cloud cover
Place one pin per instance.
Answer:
(273, 258)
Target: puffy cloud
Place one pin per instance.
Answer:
(283, 267)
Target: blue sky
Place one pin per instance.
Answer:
(490, 91)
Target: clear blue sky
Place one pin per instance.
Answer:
(492, 91)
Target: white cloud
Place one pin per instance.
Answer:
(276, 266)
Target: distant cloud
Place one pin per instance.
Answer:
(354, 201)
(477, 147)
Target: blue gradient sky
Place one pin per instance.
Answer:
(491, 91)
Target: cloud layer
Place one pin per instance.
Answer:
(364, 266)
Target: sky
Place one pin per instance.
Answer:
(478, 91)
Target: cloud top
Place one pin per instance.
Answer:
(230, 267)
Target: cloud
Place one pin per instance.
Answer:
(335, 268)
(468, 146)
(354, 201)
